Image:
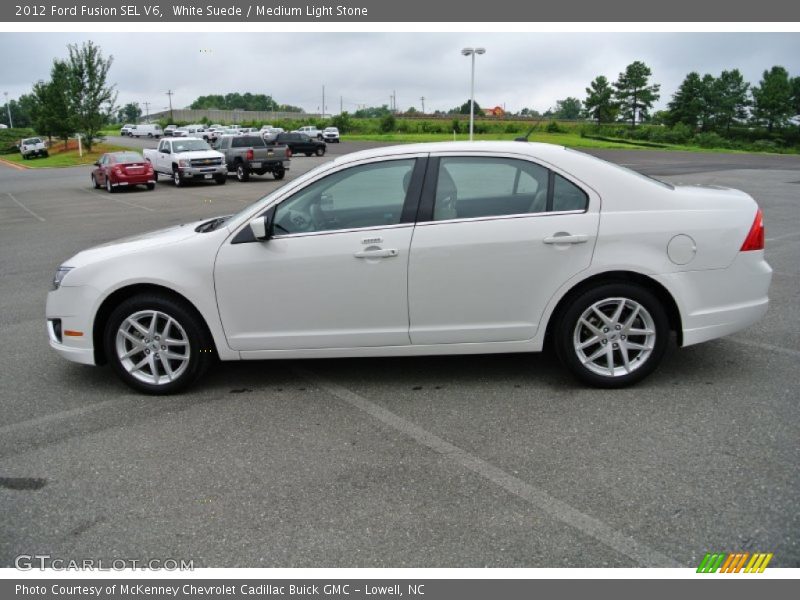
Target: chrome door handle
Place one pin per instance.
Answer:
(579, 238)
(376, 253)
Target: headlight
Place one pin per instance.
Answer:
(183, 163)
(59, 276)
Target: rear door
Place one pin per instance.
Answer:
(496, 237)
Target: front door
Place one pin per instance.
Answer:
(335, 273)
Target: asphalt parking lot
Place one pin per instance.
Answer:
(470, 461)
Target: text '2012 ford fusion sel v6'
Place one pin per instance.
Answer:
(452, 248)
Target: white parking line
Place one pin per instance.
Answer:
(23, 207)
(783, 237)
(763, 346)
(64, 414)
(108, 196)
(633, 549)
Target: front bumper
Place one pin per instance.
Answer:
(72, 308)
(201, 172)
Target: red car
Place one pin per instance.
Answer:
(123, 169)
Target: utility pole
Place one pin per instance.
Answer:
(341, 105)
(323, 101)
(8, 107)
(146, 112)
(170, 93)
(394, 98)
(422, 99)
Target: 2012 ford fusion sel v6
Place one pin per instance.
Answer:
(453, 248)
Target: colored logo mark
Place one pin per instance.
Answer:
(734, 562)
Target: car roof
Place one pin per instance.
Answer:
(533, 149)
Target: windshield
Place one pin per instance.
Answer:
(32, 141)
(128, 157)
(190, 146)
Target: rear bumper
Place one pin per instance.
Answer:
(138, 180)
(719, 302)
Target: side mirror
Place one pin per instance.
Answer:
(263, 226)
(97, 163)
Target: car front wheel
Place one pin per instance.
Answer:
(320, 151)
(613, 335)
(156, 344)
(176, 178)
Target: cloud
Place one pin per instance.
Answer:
(519, 70)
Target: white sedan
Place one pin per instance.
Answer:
(452, 248)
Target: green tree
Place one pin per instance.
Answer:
(599, 104)
(686, 105)
(131, 113)
(91, 96)
(568, 108)
(371, 112)
(634, 92)
(732, 100)
(464, 109)
(52, 112)
(342, 122)
(772, 99)
(796, 95)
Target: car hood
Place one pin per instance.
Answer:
(135, 243)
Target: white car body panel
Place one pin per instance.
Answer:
(455, 287)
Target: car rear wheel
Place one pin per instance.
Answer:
(242, 172)
(279, 173)
(613, 335)
(156, 344)
(151, 186)
(109, 188)
(320, 151)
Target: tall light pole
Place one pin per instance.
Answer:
(472, 52)
(8, 106)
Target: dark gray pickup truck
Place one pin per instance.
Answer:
(248, 154)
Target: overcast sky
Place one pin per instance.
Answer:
(518, 70)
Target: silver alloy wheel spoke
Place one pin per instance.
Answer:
(614, 337)
(153, 347)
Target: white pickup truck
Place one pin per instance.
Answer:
(187, 158)
(311, 131)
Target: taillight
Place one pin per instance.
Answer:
(755, 238)
(288, 152)
(117, 170)
(250, 155)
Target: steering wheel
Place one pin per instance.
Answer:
(295, 221)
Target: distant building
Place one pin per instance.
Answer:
(497, 111)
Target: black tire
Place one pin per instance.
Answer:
(177, 178)
(570, 332)
(242, 172)
(308, 153)
(45, 154)
(96, 185)
(320, 151)
(279, 173)
(200, 353)
(109, 188)
(221, 179)
(151, 186)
